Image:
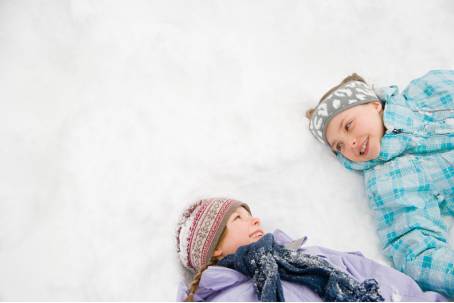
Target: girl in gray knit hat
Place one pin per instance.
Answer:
(403, 143)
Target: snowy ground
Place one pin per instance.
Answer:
(116, 114)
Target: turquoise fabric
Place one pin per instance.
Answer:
(410, 185)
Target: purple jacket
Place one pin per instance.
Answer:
(224, 284)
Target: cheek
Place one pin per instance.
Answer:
(330, 135)
(243, 235)
(347, 153)
(372, 124)
(331, 130)
(240, 233)
(350, 156)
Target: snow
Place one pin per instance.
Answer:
(115, 115)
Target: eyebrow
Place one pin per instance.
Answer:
(238, 212)
(233, 215)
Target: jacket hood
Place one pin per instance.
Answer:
(216, 279)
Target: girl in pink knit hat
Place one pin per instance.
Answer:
(231, 258)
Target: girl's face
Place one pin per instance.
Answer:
(356, 132)
(241, 229)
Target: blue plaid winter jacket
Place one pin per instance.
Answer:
(410, 185)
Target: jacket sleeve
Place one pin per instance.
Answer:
(432, 92)
(409, 223)
(394, 285)
(181, 291)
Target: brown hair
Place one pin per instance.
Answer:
(352, 77)
(196, 280)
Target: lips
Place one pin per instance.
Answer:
(257, 233)
(364, 148)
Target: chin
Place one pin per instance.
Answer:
(375, 153)
(373, 157)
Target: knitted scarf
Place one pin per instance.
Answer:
(267, 262)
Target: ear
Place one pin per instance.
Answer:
(217, 253)
(377, 106)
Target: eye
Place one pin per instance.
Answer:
(236, 217)
(339, 147)
(348, 125)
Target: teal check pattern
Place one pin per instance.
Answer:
(410, 185)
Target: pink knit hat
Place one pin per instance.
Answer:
(200, 228)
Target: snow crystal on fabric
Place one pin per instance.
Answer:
(267, 262)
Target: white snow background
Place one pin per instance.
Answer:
(114, 115)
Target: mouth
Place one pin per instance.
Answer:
(364, 147)
(256, 234)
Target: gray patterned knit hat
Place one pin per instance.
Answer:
(346, 96)
(199, 230)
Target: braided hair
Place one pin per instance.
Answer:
(194, 285)
(196, 280)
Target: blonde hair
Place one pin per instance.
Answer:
(194, 285)
(352, 77)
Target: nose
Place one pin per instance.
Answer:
(255, 221)
(353, 142)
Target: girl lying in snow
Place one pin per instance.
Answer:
(403, 144)
(233, 259)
